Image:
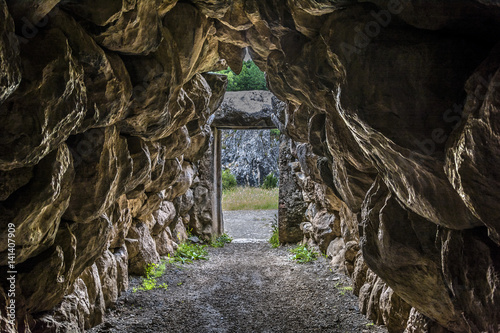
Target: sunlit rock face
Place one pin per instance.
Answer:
(105, 109)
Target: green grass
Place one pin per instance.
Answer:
(250, 198)
(221, 241)
(303, 254)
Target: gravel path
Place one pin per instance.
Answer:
(243, 287)
(249, 226)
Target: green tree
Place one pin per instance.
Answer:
(250, 78)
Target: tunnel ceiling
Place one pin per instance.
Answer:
(105, 99)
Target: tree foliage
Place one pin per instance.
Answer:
(250, 78)
(228, 180)
(271, 181)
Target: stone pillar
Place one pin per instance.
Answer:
(217, 222)
(292, 208)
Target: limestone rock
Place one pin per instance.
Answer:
(184, 203)
(106, 266)
(10, 74)
(326, 228)
(56, 265)
(179, 232)
(336, 251)
(133, 28)
(36, 209)
(164, 173)
(141, 249)
(163, 217)
(395, 311)
(103, 167)
(13, 180)
(31, 13)
(418, 323)
(91, 241)
(165, 244)
(48, 105)
(81, 309)
(292, 208)
(121, 219)
(250, 155)
(246, 109)
(200, 143)
(183, 181)
(106, 80)
(193, 36)
(411, 252)
(471, 172)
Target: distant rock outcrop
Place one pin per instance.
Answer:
(250, 155)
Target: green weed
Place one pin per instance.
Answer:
(221, 240)
(275, 240)
(187, 252)
(303, 254)
(152, 273)
(342, 290)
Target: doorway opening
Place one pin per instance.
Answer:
(250, 180)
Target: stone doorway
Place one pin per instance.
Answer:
(254, 110)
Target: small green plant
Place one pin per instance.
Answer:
(275, 133)
(228, 180)
(271, 181)
(342, 290)
(221, 240)
(303, 254)
(187, 252)
(275, 240)
(370, 324)
(152, 273)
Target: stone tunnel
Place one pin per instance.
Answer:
(390, 109)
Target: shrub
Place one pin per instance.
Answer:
(271, 181)
(228, 180)
(303, 254)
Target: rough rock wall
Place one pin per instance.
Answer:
(250, 155)
(399, 99)
(103, 119)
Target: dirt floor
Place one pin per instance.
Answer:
(243, 287)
